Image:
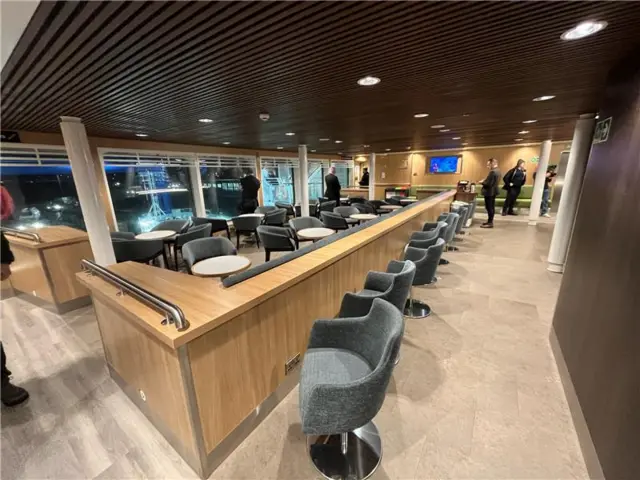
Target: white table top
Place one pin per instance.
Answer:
(363, 216)
(314, 233)
(220, 266)
(156, 235)
(252, 215)
(389, 207)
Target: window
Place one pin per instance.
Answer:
(221, 183)
(148, 188)
(39, 180)
(278, 178)
(316, 181)
(318, 169)
(343, 172)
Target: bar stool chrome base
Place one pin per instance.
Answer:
(443, 262)
(347, 456)
(416, 309)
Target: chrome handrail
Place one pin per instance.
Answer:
(17, 233)
(172, 312)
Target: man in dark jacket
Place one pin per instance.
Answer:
(250, 186)
(490, 191)
(333, 186)
(364, 181)
(513, 182)
(11, 394)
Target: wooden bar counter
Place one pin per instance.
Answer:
(46, 261)
(206, 388)
(355, 192)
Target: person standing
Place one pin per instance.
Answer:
(332, 191)
(513, 182)
(364, 181)
(490, 191)
(250, 186)
(546, 192)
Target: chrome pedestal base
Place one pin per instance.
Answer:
(443, 262)
(416, 309)
(351, 456)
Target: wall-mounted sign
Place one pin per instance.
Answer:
(535, 159)
(603, 127)
(9, 136)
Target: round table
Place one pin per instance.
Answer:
(222, 266)
(389, 207)
(261, 215)
(314, 233)
(362, 217)
(156, 235)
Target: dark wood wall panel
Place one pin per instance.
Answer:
(597, 318)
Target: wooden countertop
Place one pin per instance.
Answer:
(207, 304)
(50, 237)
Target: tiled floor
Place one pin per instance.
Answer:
(476, 394)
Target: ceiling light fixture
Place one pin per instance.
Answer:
(437, 126)
(290, 134)
(279, 148)
(466, 114)
(226, 143)
(455, 138)
(583, 29)
(529, 121)
(141, 135)
(597, 117)
(523, 132)
(205, 120)
(409, 147)
(368, 81)
(366, 146)
(323, 139)
(544, 98)
(517, 139)
(313, 151)
(387, 149)
(421, 115)
(338, 141)
(445, 130)
(465, 143)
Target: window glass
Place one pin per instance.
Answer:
(344, 175)
(144, 196)
(42, 196)
(316, 182)
(277, 185)
(222, 191)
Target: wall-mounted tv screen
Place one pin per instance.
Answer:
(447, 164)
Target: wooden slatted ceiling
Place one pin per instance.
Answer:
(157, 67)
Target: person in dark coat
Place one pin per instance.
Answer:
(490, 191)
(513, 182)
(333, 186)
(250, 186)
(364, 181)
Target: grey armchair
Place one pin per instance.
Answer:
(334, 221)
(178, 226)
(325, 206)
(142, 251)
(430, 233)
(426, 261)
(377, 204)
(346, 212)
(365, 207)
(275, 217)
(265, 209)
(276, 239)
(395, 200)
(247, 226)
(203, 248)
(345, 374)
(291, 211)
(217, 224)
(200, 231)
(301, 223)
(392, 285)
(122, 235)
(355, 200)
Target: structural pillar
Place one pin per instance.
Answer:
(538, 185)
(304, 180)
(574, 176)
(84, 177)
(196, 189)
(372, 176)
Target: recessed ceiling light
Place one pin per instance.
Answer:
(529, 121)
(313, 151)
(290, 134)
(205, 120)
(437, 126)
(365, 146)
(523, 132)
(421, 115)
(409, 147)
(517, 139)
(466, 114)
(465, 143)
(544, 98)
(323, 139)
(445, 130)
(338, 141)
(368, 81)
(597, 117)
(226, 143)
(279, 148)
(387, 149)
(339, 153)
(455, 138)
(141, 135)
(583, 29)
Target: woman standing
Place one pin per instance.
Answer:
(513, 182)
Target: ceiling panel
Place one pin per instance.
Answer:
(157, 67)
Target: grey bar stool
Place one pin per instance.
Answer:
(426, 261)
(450, 232)
(345, 374)
(429, 234)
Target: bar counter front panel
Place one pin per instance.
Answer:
(206, 388)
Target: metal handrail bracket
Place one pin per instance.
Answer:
(21, 233)
(172, 312)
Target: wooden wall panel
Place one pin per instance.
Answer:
(237, 365)
(28, 273)
(148, 365)
(597, 319)
(63, 263)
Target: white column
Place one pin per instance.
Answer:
(538, 185)
(304, 180)
(196, 189)
(372, 176)
(571, 188)
(84, 176)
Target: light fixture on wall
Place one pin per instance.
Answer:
(544, 98)
(142, 135)
(368, 81)
(205, 120)
(583, 29)
(421, 115)
(529, 121)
